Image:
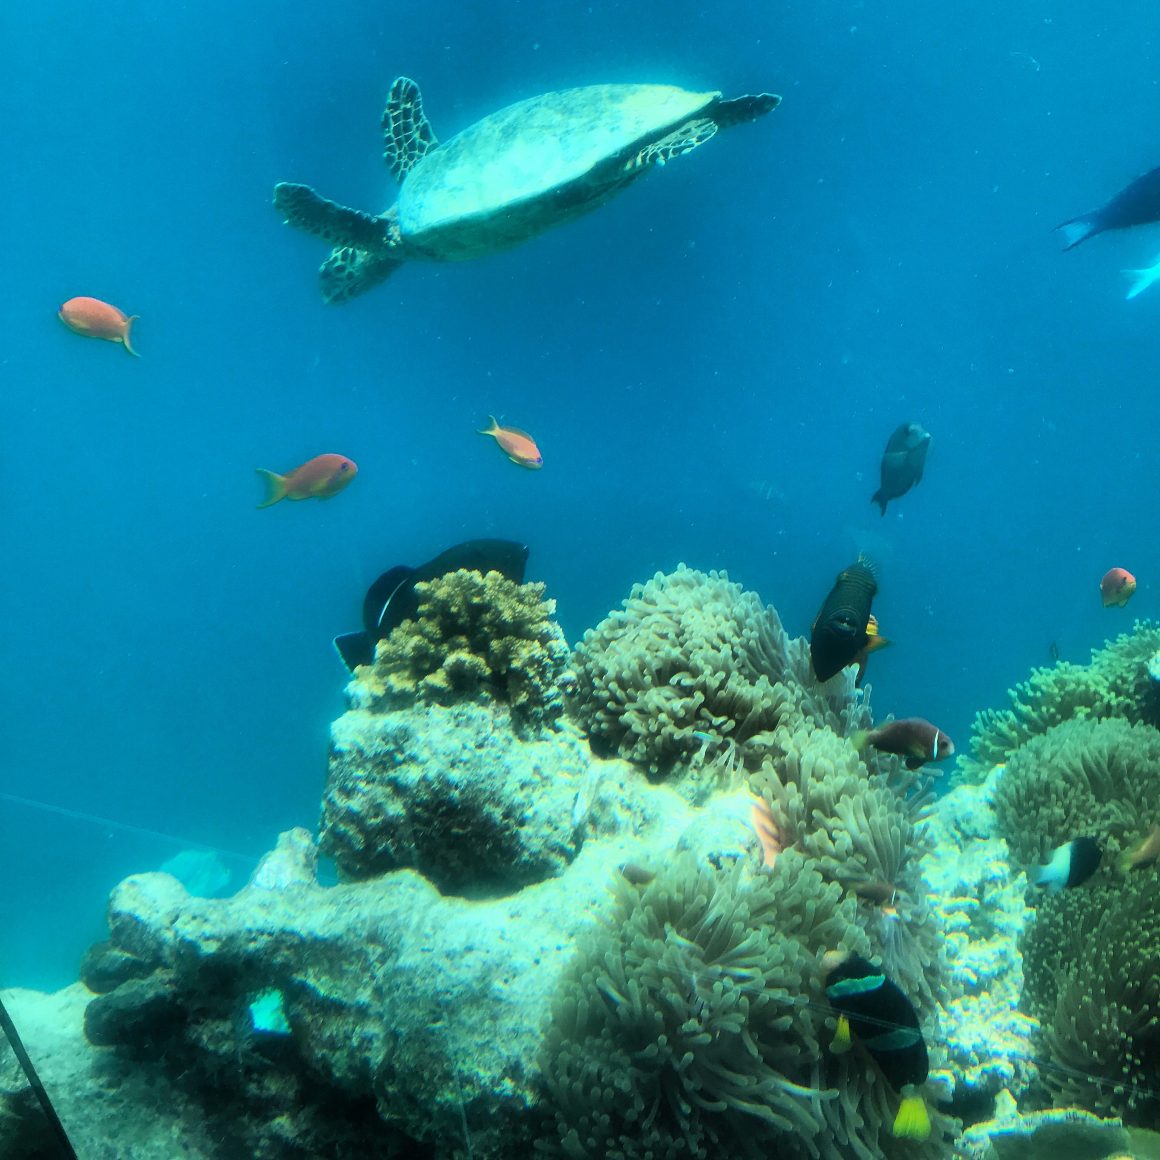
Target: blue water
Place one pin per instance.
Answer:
(711, 365)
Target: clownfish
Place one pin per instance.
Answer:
(875, 1009)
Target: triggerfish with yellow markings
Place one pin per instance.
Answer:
(913, 738)
(875, 1009)
(517, 445)
(318, 478)
(96, 319)
(1116, 587)
(840, 630)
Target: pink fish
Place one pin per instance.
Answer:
(318, 478)
(517, 445)
(96, 319)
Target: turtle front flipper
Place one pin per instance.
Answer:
(317, 215)
(407, 134)
(349, 272)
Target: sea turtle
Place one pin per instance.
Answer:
(505, 178)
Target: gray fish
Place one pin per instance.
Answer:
(1137, 204)
(902, 463)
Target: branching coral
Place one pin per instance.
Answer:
(1082, 777)
(1091, 965)
(693, 656)
(476, 635)
(1118, 683)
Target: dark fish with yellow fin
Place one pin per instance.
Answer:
(913, 738)
(839, 632)
(902, 463)
(877, 1011)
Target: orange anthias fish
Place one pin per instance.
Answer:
(318, 478)
(96, 319)
(517, 445)
(1117, 587)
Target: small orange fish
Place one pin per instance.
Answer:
(318, 478)
(765, 827)
(96, 319)
(517, 445)
(1117, 587)
(1144, 853)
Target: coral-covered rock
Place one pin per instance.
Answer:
(476, 637)
(453, 793)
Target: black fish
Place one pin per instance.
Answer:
(839, 630)
(902, 463)
(1071, 864)
(1136, 204)
(877, 1011)
(391, 599)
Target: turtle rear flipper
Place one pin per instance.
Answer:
(407, 134)
(747, 108)
(349, 271)
(317, 215)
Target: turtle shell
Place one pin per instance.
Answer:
(532, 164)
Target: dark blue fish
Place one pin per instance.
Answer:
(839, 633)
(902, 463)
(391, 599)
(875, 1009)
(1136, 204)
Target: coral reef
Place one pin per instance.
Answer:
(533, 947)
(476, 636)
(1092, 979)
(1087, 776)
(693, 663)
(981, 903)
(1119, 682)
(453, 793)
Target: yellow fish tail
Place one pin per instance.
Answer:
(842, 1036)
(275, 486)
(913, 1120)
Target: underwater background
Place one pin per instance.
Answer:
(710, 364)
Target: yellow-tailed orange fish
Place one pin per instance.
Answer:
(517, 445)
(318, 478)
(1117, 587)
(96, 319)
